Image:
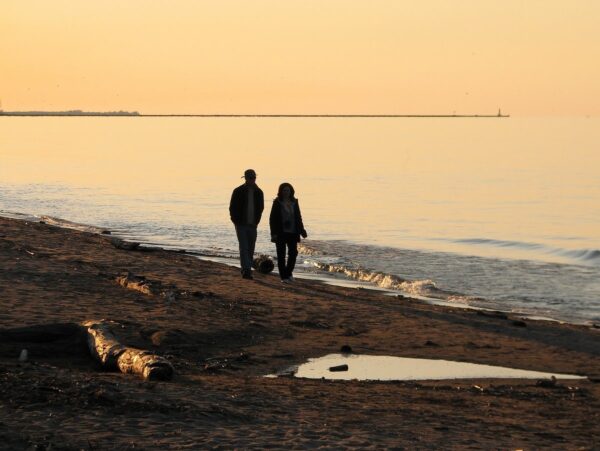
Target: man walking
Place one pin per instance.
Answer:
(246, 207)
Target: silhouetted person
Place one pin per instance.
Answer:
(246, 207)
(286, 228)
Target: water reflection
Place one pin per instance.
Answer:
(370, 367)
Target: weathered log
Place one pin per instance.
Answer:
(113, 355)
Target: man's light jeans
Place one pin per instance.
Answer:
(246, 235)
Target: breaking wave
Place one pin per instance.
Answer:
(322, 260)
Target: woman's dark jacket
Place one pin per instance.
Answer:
(276, 222)
(238, 206)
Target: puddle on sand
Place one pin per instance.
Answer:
(385, 368)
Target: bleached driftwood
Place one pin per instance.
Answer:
(113, 355)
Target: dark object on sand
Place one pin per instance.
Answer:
(547, 383)
(338, 368)
(263, 264)
(519, 323)
(345, 349)
(124, 245)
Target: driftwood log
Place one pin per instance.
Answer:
(105, 347)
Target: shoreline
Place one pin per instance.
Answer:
(326, 277)
(223, 333)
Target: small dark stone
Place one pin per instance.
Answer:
(346, 349)
(42, 222)
(198, 294)
(431, 343)
(106, 232)
(338, 368)
(519, 323)
(400, 296)
(547, 383)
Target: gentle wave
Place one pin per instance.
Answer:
(588, 256)
(71, 225)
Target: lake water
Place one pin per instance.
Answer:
(385, 368)
(494, 213)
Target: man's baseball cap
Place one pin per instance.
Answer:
(249, 174)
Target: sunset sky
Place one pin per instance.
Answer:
(530, 58)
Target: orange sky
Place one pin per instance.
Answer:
(534, 57)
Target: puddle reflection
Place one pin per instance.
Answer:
(369, 367)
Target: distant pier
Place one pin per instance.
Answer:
(78, 113)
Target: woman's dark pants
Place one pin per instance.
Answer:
(289, 240)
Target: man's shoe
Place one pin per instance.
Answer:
(285, 281)
(247, 275)
(291, 278)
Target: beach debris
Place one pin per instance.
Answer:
(136, 283)
(431, 343)
(263, 264)
(124, 245)
(113, 355)
(519, 323)
(338, 368)
(23, 355)
(149, 287)
(346, 349)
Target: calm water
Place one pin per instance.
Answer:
(385, 368)
(497, 213)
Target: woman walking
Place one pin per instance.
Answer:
(286, 229)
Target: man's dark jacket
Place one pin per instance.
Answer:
(238, 207)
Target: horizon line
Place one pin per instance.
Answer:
(69, 113)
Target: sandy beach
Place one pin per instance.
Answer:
(222, 334)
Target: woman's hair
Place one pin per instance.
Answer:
(282, 186)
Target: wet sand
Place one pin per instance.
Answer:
(222, 333)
